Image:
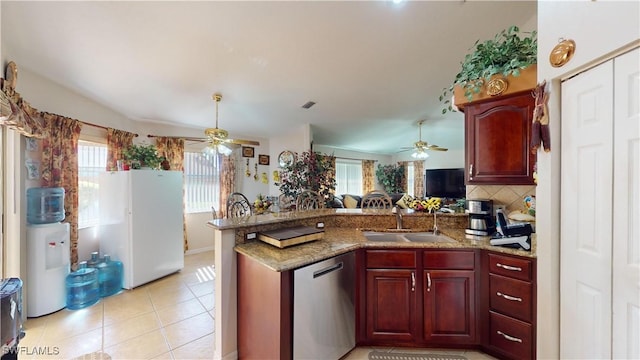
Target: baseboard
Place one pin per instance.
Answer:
(200, 250)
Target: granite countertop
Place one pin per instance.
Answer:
(337, 241)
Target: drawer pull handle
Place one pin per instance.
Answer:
(507, 267)
(428, 282)
(413, 282)
(508, 297)
(510, 338)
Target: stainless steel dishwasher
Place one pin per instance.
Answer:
(324, 308)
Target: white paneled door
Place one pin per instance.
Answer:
(626, 208)
(586, 207)
(600, 187)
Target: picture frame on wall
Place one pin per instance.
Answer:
(247, 151)
(263, 159)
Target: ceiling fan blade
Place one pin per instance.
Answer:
(242, 142)
(437, 148)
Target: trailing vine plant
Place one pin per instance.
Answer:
(506, 54)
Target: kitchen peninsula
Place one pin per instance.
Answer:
(236, 244)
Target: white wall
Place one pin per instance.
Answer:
(298, 140)
(598, 28)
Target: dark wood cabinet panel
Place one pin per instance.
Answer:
(511, 266)
(511, 297)
(497, 138)
(391, 305)
(449, 306)
(509, 306)
(391, 259)
(514, 338)
(265, 311)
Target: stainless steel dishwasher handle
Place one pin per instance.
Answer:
(327, 270)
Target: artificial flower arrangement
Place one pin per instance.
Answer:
(261, 204)
(427, 205)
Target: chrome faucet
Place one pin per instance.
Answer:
(398, 213)
(435, 224)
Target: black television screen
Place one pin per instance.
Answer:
(444, 183)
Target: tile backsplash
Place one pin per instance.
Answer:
(510, 196)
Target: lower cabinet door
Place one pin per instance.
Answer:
(391, 305)
(449, 306)
(511, 337)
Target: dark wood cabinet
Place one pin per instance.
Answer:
(509, 307)
(420, 297)
(391, 296)
(391, 305)
(449, 297)
(497, 139)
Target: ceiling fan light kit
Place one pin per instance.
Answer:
(420, 147)
(218, 139)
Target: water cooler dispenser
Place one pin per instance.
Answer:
(47, 267)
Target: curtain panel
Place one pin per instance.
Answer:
(60, 167)
(227, 182)
(405, 174)
(117, 141)
(368, 176)
(418, 181)
(172, 149)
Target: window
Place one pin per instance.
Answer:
(411, 180)
(92, 160)
(348, 177)
(201, 184)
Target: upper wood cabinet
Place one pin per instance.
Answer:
(497, 138)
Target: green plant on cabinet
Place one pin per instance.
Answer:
(506, 54)
(142, 156)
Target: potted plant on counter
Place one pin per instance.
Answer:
(142, 156)
(489, 70)
(309, 171)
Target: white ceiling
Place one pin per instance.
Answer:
(374, 68)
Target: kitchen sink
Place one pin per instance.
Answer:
(427, 237)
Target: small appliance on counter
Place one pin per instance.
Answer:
(516, 235)
(480, 217)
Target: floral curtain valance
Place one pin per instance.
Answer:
(171, 149)
(18, 115)
(117, 141)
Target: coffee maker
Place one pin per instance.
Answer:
(481, 222)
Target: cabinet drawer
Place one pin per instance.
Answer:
(448, 259)
(391, 259)
(513, 267)
(511, 297)
(510, 336)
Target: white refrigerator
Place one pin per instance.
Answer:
(141, 223)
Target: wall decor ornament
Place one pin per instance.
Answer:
(247, 151)
(562, 53)
(33, 169)
(263, 159)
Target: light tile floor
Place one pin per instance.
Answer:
(170, 318)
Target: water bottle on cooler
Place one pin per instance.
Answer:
(82, 287)
(109, 276)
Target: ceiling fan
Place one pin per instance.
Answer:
(217, 139)
(420, 147)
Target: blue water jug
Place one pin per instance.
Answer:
(94, 260)
(82, 287)
(110, 276)
(45, 205)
